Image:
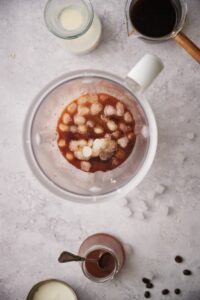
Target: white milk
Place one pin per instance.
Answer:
(73, 18)
(54, 290)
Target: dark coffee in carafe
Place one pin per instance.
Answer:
(153, 18)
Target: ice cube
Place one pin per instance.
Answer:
(123, 142)
(127, 212)
(128, 117)
(120, 109)
(82, 129)
(142, 206)
(128, 249)
(123, 202)
(160, 189)
(96, 108)
(61, 143)
(72, 108)
(109, 110)
(140, 216)
(83, 110)
(111, 125)
(191, 136)
(66, 118)
(85, 166)
(164, 210)
(98, 130)
(87, 151)
(79, 120)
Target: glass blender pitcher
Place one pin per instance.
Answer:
(40, 136)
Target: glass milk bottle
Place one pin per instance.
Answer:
(75, 22)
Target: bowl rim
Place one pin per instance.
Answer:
(36, 286)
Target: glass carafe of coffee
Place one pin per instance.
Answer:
(157, 20)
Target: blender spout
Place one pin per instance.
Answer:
(129, 27)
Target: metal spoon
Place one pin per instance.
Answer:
(101, 261)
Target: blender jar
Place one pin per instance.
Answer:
(40, 136)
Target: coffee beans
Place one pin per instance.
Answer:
(187, 272)
(165, 292)
(147, 294)
(178, 259)
(145, 280)
(149, 285)
(177, 291)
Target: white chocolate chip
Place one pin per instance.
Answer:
(109, 110)
(73, 129)
(98, 130)
(128, 117)
(82, 129)
(83, 99)
(73, 145)
(66, 118)
(93, 98)
(120, 109)
(85, 166)
(79, 155)
(112, 125)
(63, 128)
(83, 110)
(95, 108)
(87, 151)
(72, 108)
(123, 142)
(79, 120)
(61, 143)
(69, 156)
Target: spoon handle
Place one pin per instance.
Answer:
(66, 256)
(188, 45)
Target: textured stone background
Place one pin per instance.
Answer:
(157, 220)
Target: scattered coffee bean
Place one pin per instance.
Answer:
(149, 285)
(145, 280)
(177, 291)
(165, 292)
(187, 272)
(178, 259)
(147, 294)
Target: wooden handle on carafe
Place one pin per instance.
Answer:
(188, 45)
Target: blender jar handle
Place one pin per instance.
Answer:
(144, 72)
